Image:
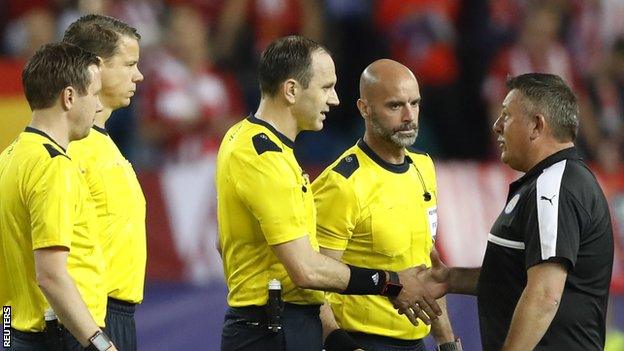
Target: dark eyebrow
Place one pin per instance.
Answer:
(394, 102)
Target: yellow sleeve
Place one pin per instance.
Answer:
(271, 191)
(337, 210)
(50, 200)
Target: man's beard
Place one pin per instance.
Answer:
(394, 136)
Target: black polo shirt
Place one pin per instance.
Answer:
(555, 212)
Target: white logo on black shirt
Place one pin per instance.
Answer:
(512, 204)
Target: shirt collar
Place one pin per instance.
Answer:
(401, 168)
(284, 139)
(37, 131)
(570, 153)
(101, 130)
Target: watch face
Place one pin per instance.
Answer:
(101, 342)
(393, 290)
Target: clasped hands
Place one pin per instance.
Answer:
(421, 287)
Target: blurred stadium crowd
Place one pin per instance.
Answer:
(200, 57)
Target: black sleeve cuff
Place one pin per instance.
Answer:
(564, 261)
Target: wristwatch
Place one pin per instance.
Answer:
(392, 287)
(451, 346)
(99, 342)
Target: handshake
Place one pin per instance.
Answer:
(421, 287)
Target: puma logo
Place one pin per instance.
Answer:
(547, 199)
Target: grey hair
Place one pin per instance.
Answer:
(549, 95)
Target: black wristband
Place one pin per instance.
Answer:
(364, 281)
(339, 340)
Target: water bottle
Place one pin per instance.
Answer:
(52, 331)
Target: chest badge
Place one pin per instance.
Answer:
(306, 181)
(512, 204)
(306, 177)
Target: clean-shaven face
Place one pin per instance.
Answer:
(513, 131)
(315, 101)
(120, 74)
(82, 114)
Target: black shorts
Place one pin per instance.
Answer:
(120, 325)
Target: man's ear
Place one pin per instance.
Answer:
(289, 90)
(538, 126)
(363, 107)
(68, 97)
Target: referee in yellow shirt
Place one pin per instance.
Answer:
(377, 207)
(267, 219)
(120, 204)
(49, 249)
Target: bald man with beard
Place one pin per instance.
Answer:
(376, 207)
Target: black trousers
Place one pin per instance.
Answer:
(120, 325)
(69, 341)
(245, 329)
(371, 342)
(22, 341)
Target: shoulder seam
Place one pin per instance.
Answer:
(573, 196)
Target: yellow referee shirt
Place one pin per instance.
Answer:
(264, 198)
(44, 202)
(377, 214)
(120, 207)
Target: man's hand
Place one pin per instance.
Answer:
(437, 278)
(414, 300)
